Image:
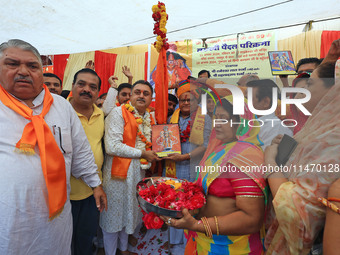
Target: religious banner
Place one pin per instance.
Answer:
(179, 64)
(166, 139)
(228, 58)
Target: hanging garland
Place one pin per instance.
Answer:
(160, 17)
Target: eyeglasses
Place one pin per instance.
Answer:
(137, 92)
(184, 100)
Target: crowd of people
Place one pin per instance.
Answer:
(70, 166)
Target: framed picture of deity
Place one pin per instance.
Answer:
(281, 62)
(166, 139)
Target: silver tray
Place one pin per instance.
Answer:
(148, 207)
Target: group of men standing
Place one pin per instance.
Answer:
(51, 153)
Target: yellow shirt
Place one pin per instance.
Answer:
(94, 130)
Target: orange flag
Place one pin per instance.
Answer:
(161, 88)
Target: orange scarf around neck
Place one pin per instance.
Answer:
(52, 159)
(121, 165)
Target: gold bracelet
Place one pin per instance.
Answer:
(217, 229)
(204, 225)
(207, 227)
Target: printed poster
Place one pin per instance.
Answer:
(166, 139)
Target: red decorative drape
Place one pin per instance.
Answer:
(161, 88)
(105, 67)
(327, 38)
(59, 65)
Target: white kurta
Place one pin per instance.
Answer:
(271, 128)
(110, 101)
(123, 210)
(24, 224)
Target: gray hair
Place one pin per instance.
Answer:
(16, 43)
(252, 77)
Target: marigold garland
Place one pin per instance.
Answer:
(160, 17)
(148, 123)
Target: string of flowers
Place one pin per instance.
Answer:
(144, 134)
(185, 134)
(160, 17)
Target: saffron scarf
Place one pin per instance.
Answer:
(52, 159)
(121, 165)
(196, 137)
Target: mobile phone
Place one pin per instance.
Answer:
(285, 149)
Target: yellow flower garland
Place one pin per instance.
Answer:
(160, 17)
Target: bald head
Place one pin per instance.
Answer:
(242, 82)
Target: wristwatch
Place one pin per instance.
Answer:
(96, 186)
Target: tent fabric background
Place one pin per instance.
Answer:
(304, 45)
(66, 27)
(106, 63)
(327, 38)
(59, 65)
(75, 62)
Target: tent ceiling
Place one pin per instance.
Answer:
(57, 27)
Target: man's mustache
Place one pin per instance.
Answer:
(24, 79)
(141, 99)
(85, 94)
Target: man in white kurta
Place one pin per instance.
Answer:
(123, 213)
(24, 216)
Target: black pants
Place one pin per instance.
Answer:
(85, 223)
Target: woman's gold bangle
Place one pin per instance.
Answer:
(207, 227)
(217, 229)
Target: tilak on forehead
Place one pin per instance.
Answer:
(144, 92)
(141, 90)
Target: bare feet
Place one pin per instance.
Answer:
(164, 227)
(119, 252)
(167, 246)
(132, 240)
(143, 229)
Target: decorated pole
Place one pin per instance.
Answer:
(161, 81)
